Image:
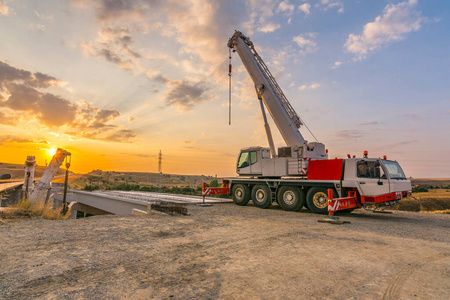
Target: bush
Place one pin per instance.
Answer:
(419, 189)
(124, 187)
(91, 187)
(188, 190)
(214, 183)
(147, 189)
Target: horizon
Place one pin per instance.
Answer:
(114, 82)
(198, 175)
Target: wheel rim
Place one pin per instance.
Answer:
(239, 193)
(320, 200)
(289, 198)
(260, 195)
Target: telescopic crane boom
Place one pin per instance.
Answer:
(281, 111)
(268, 90)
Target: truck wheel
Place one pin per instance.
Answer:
(241, 194)
(261, 196)
(317, 200)
(291, 198)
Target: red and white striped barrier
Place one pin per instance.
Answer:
(225, 189)
(341, 203)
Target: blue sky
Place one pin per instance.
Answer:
(115, 81)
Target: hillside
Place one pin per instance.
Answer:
(108, 178)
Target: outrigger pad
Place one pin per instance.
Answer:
(333, 220)
(382, 212)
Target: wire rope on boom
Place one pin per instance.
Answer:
(229, 87)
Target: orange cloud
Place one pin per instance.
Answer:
(21, 94)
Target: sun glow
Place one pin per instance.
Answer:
(51, 151)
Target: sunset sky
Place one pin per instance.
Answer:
(116, 81)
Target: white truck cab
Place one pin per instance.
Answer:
(372, 176)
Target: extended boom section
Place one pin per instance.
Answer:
(276, 102)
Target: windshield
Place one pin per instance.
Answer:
(394, 170)
(243, 160)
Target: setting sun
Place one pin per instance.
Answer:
(51, 151)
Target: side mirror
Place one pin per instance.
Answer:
(378, 173)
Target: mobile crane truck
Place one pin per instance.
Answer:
(300, 173)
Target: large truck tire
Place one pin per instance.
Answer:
(291, 198)
(261, 196)
(240, 194)
(317, 200)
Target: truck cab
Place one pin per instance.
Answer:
(375, 178)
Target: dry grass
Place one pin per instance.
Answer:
(42, 209)
(447, 211)
(436, 201)
(26, 209)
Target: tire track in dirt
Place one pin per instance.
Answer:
(394, 288)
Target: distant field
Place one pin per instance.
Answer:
(425, 182)
(108, 178)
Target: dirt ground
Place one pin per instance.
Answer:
(228, 252)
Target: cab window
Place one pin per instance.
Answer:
(243, 160)
(253, 157)
(369, 169)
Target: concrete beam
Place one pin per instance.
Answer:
(10, 185)
(107, 203)
(76, 207)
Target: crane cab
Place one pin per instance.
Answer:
(257, 161)
(250, 161)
